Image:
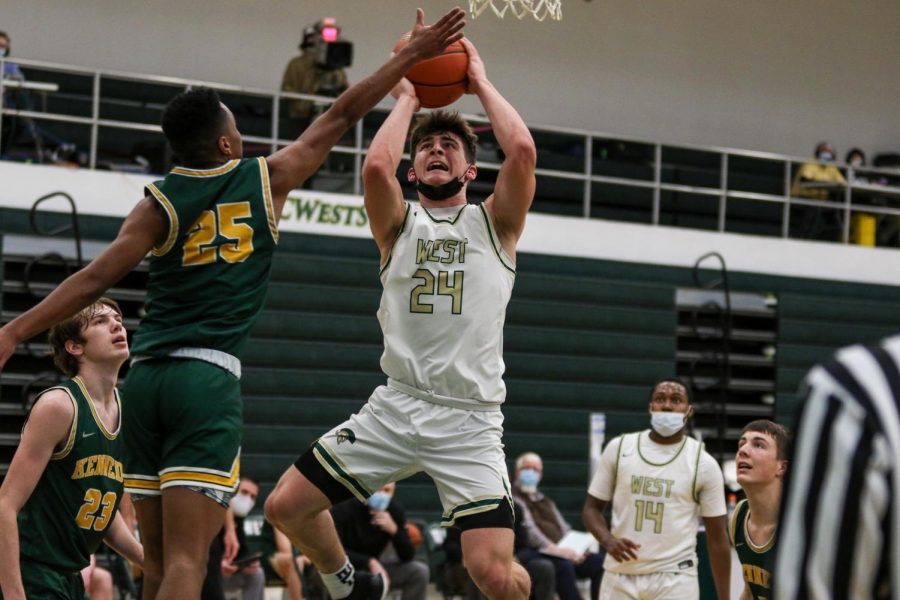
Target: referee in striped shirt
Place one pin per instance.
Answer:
(840, 522)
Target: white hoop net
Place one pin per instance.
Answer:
(539, 9)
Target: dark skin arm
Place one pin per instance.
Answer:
(719, 554)
(621, 549)
(145, 227)
(292, 165)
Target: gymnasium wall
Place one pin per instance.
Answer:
(763, 75)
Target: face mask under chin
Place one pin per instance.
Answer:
(440, 192)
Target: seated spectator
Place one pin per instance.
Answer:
(856, 159)
(281, 562)
(244, 573)
(539, 567)
(818, 180)
(545, 527)
(367, 529)
(228, 567)
(10, 69)
(12, 97)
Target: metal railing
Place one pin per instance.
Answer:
(580, 173)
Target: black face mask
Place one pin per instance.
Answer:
(440, 192)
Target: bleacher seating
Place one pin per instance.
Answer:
(582, 335)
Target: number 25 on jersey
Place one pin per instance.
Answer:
(201, 246)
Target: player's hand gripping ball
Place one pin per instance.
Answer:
(441, 80)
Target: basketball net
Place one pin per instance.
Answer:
(539, 9)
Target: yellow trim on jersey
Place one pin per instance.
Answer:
(231, 164)
(141, 484)
(110, 435)
(70, 441)
(758, 549)
(173, 221)
(733, 522)
(267, 195)
(201, 476)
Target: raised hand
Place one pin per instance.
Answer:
(427, 41)
(404, 88)
(476, 72)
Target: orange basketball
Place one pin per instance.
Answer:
(441, 80)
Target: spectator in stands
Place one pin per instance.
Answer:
(13, 127)
(820, 180)
(856, 159)
(660, 482)
(305, 74)
(244, 572)
(366, 530)
(540, 568)
(544, 526)
(281, 561)
(59, 500)
(10, 69)
(183, 423)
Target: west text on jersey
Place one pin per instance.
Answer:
(651, 486)
(441, 251)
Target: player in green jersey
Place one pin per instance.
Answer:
(61, 495)
(761, 466)
(184, 418)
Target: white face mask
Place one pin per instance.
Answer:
(4, 52)
(241, 505)
(667, 424)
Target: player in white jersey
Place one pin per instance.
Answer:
(660, 482)
(447, 270)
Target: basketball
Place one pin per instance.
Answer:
(441, 80)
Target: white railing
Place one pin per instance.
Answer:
(580, 173)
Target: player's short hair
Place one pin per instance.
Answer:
(779, 433)
(444, 121)
(678, 380)
(71, 330)
(192, 121)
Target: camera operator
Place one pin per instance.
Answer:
(318, 70)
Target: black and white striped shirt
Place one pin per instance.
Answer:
(840, 523)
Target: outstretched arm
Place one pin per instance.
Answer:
(383, 195)
(514, 190)
(140, 232)
(47, 427)
(292, 165)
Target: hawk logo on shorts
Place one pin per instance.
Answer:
(345, 435)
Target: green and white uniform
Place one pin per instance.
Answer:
(447, 283)
(756, 559)
(658, 493)
(207, 286)
(66, 517)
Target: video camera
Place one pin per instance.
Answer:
(323, 41)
